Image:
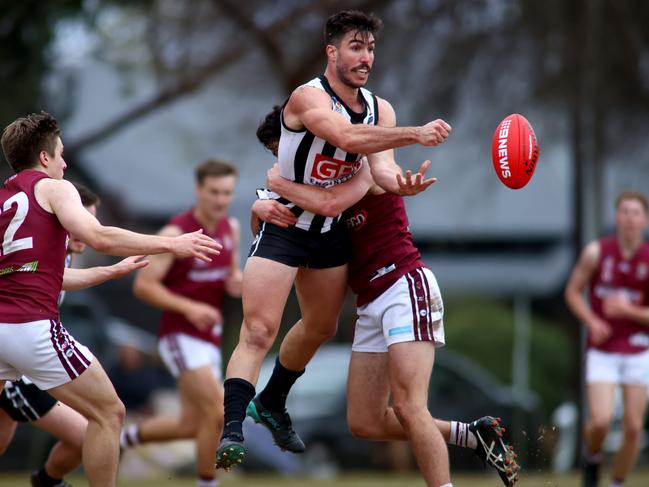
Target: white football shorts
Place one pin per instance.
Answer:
(43, 351)
(408, 311)
(181, 352)
(617, 368)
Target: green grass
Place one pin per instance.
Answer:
(638, 479)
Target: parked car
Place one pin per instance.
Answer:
(459, 390)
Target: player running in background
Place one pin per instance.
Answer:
(190, 293)
(615, 269)
(327, 125)
(400, 323)
(38, 210)
(23, 402)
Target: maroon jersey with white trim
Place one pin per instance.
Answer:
(32, 253)
(199, 280)
(382, 246)
(615, 274)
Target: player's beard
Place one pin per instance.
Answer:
(342, 71)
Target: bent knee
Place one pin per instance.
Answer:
(408, 412)
(365, 430)
(259, 334)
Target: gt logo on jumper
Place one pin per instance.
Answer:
(327, 171)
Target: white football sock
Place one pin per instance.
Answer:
(129, 436)
(462, 436)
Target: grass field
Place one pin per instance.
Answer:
(639, 479)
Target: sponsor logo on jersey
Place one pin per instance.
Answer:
(327, 171)
(28, 267)
(356, 221)
(336, 106)
(607, 269)
(208, 275)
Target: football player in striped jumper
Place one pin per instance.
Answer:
(38, 209)
(327, 125)
(400, 323)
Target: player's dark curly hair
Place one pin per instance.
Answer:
(270, 129)
(350, 21)
(25, 138)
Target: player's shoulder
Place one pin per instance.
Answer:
(386, 114)
(308, 95)
(592, 251)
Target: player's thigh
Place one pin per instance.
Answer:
(266, 286)
(635, 405)
(410, 365)
(64, 423)
(201, 389)
(368, 387)
(601, 401)
(92, 394)
(321, 293)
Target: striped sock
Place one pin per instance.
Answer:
(617, 483)
(462, 436)
(129, 436)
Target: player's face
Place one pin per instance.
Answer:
(631, 219)
(76, 246)
(214, 195)
(354, 58)
(56, 164)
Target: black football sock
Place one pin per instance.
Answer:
(273, 396)
(237, 393)
(46, 480)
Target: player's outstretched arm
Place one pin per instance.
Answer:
(62, 198)
(311, 108)
(574, 293)
(75, 279)
(322, 201)
(149, 287)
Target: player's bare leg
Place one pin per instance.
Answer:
(69, 427)
(7, 430)
(266, 286)
(601, 397)
(201, 415)
(635, 407)
(410, 366)
(320, 293)
(93, 395)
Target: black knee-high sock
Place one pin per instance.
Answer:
(273, 396)
(237, 393)
(46, 480)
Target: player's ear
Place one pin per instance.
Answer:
(331, 52)
(44, 158)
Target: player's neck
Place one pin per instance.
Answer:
(348, 94)
(205, 221)
(629, 245)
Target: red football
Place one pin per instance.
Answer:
(514, 151)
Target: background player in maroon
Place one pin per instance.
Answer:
(383, 259)
(38, 209)
(616, 271)
(190, 294)
(327, 124)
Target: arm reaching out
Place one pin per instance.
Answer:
(75, 279)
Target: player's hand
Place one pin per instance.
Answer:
(616, 306)
(599, 331)
(434, 133)
(273, 178)
(128, 265)
(410, 186)
(203, 316)
(273, 212)
(233, 285)
(197, 245)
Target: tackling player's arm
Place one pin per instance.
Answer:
(61, 198)
(386, 171)
(620, 307)
(235, 279)
(75, 279)
(311, 108)
(322, 201)
(574, 293)
(148, 287)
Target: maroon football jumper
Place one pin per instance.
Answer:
(198, 280)
(33, 258)
(629, 276)
(379, 222)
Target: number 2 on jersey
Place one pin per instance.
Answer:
(10, 245)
